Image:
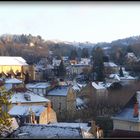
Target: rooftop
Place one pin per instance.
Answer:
(24, 110)
(38, 85)
(58, 130)
(13, 81)
(20, 97)
(110, 64)
(127, 113)
(10, 61)
(59, 91)
(98, 86)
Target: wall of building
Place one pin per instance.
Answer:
(126, 125)
(58, 103)
(71, 102)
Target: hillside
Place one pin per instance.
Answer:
(32, 48)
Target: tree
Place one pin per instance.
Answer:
(105, 58)
(5, 122)
(73, 54)
(98, 66)
(85, 53)
(121, 72)
(62, 69)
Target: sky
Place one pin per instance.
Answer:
(71, 21)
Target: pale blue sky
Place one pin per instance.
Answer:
(69, 21)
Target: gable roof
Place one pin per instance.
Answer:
(10, 61)
(24, 110)
(126, 113)
(109, 64)
(98, 86)
(20, 97)
(59, 91)
(38, 85)
(13, 81)
(49, 131)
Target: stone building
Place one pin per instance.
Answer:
(63, 99)
(30, 107)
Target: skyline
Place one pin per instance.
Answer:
(72, 21)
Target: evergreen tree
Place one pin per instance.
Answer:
(62, 69)
(121, 72)
(85, 53)
(98, 66)
(73, 54)
(5, 122)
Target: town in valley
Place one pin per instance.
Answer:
(53, 89)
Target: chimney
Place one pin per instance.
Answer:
(136, 111)
(93, 128)
(48, 111)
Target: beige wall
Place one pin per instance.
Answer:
(21, 69)
(126, 125)
(47, 117)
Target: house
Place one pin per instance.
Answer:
(36, 114)
(96, 89)
(126, 79)
(56, 64)
(73, 62)
(24, 96)
(79, 68)
(10, 83)
(131, 57)
(54, 131)
(129, 117)
(85, 61)
(63, 99)
(15, 67)
(25, 101)
(39, 87)
(110, 68)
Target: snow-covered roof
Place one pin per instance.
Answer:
(76, 87)
(50, 66)
(114, 76)
(25, 110)
(10, 81)
(80, 65)
(131, 54)
(10, 61)
(127, 78)
(110, 64)
(56, 62)
(73, 125)
(39, 67)
(13, 81)
(98, 86)
(81, 85)
(85, 61)
(57, 131)
(81, 103)
(59, 91)
(105, 85)
(20, 97)
(127, 113)
(38, 85)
